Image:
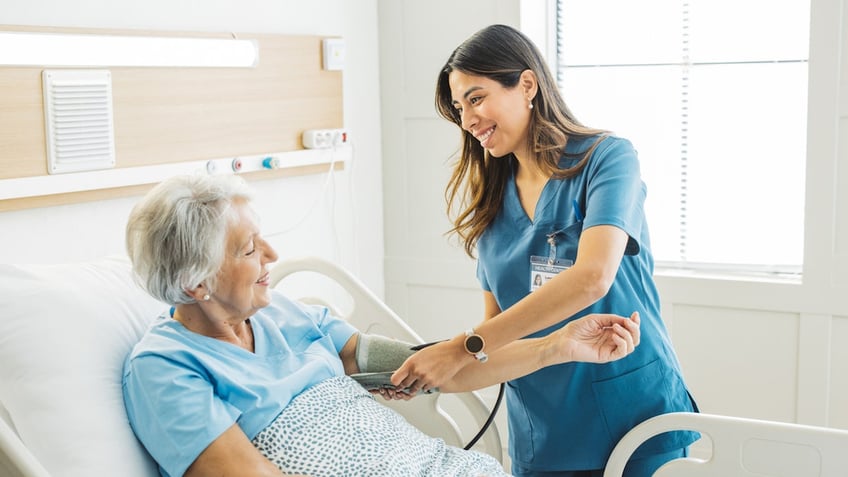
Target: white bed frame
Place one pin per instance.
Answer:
(368, 313)
(38, 302)
(742, 448)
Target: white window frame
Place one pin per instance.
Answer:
(538, 20)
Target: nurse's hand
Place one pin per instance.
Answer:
(596, 338)
(432, 366)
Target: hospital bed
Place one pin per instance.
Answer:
(66, 328)
(741, 447)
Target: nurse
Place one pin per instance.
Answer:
(539, 194)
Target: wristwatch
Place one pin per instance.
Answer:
(474, 344)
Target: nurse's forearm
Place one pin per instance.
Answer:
(565, 295)
(512, 361)
(572, 290)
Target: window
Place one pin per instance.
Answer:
(713, 95)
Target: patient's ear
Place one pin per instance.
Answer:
(199, 293)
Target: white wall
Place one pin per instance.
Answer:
(749, 348)
(426, 277)
(347, 229)
(429, 282)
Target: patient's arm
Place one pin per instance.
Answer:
(232, 454)
(348, 355)
(594, 338)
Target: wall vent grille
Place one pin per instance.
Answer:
(78, 120)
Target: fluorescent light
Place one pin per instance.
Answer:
(59, 49)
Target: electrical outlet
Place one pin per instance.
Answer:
(325, 138)
(334, 54)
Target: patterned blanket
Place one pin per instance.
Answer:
(337, 429)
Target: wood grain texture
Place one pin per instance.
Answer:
(169, 115)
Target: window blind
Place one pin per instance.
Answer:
(712, 93)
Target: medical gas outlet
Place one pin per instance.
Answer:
(325, 138)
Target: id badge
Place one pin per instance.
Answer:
(543, 269)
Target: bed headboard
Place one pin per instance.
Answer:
(165, 115)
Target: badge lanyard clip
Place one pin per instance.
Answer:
(552, 243)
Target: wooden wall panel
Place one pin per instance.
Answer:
(22, 146)
(168, 115)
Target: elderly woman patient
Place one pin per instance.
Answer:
(237, 379)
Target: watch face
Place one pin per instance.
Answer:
(474, 344)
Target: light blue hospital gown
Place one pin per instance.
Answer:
(290, 397)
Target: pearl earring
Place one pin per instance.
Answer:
(206, 297)
(529, 104)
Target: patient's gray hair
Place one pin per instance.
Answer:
(177, 235)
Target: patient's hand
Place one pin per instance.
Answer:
(392, 394)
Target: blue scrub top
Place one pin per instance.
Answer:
(570, 416)
(182, 390)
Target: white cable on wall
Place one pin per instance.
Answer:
(321, 193)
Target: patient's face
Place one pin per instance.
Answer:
(243, 281)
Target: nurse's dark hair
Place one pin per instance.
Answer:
(176, 236)
(475, 190)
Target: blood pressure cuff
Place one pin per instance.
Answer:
(378, 354)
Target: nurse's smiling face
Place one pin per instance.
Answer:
(497, 116)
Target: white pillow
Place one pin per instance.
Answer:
(64, 332)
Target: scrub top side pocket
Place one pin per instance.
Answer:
(640, 394)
